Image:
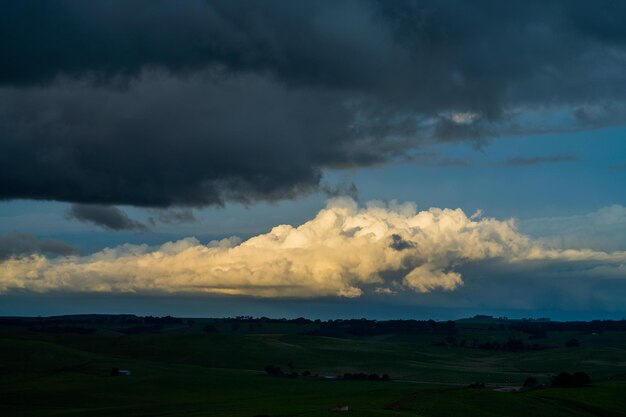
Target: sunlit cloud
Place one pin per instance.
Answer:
(345, 251)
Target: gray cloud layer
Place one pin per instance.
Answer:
(172, 216)
(111, 218)
(198, 103)
(604, 229)
(18, 244)
(525, 161)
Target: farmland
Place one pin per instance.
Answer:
(216, 367)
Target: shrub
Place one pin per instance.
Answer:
(273, 370)
(566, 380)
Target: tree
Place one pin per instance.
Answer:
(531, 382)
(581, 378)
(572, 343)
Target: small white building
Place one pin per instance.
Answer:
(339, 408)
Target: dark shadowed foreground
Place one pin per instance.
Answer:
(75, 365)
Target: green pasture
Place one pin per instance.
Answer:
(183, 371)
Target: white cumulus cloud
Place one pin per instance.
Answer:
(345, 250)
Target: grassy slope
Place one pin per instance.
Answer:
(183, 373)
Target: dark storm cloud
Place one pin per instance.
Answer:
(197, 103)
(106, 217)
(165, 141)
(21, 244)
(523, 161)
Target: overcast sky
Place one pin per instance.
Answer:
(328, 158)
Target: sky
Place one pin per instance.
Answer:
(404, 159)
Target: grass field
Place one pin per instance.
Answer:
(182, 371)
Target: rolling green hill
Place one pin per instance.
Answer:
(179, 369)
